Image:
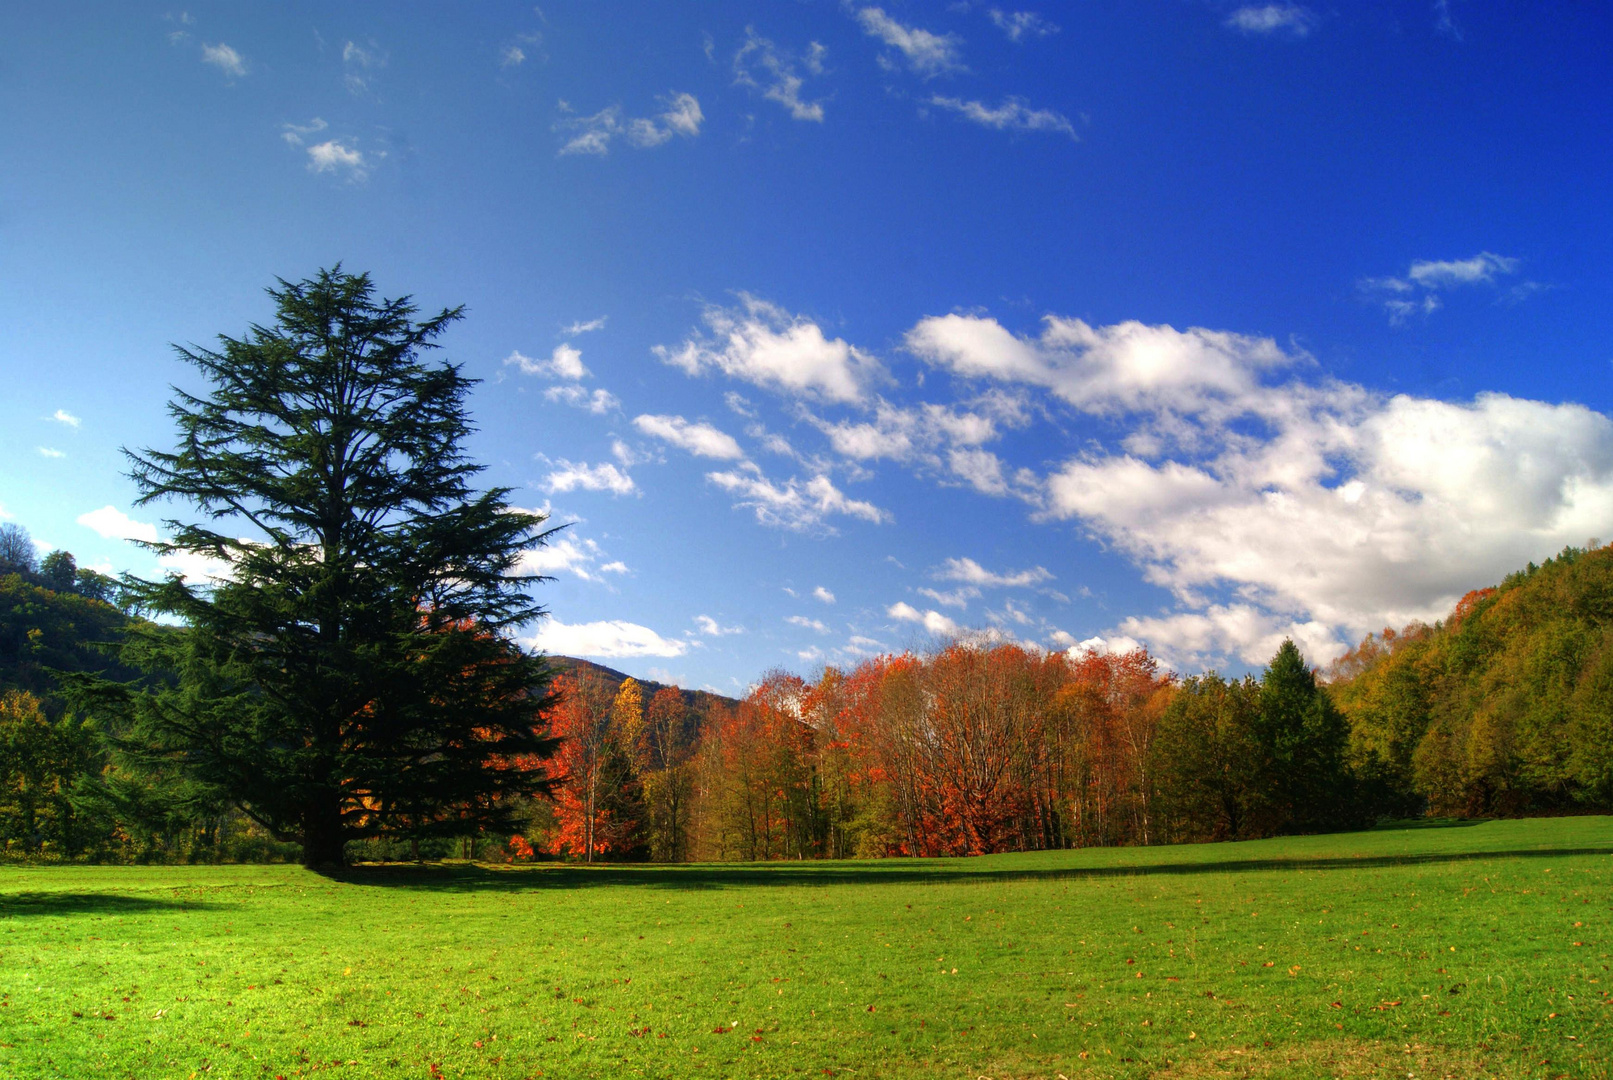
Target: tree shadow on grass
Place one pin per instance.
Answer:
(13, 905)
(884, 872)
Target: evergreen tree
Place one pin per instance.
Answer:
(1302, 738)
(1203, 755)
(346, 674)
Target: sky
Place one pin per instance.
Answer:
(831, 329)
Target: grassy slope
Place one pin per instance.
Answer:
(1194, 961)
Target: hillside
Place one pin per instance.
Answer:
(1505, 707)
(700, 702)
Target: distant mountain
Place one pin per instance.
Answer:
(700, 702)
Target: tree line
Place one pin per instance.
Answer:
(969, 749)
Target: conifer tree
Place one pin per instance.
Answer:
(1302, 738)
(347, 672)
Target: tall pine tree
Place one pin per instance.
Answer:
(1302, 737)
(347, 672)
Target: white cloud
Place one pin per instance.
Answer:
(225, 59)
(585, 327)
(958, 598)
(359, 61)
(763, 344)
(336, 155)
(113, 524)
(972, 573)
(1272, 19)
(806, 623)
(1019, 25)
(50, 452)
(567, 555)
(511, 56)
(1195, 640)
(1113, 645)
(614, 638)
(565, 362)
(712, 628)
(823, 595)
(593, 134)
(614, 567)
(297, 134)
(62, 416)
(698, 438)
(1419, 290)
(1126, 367)
(602, 477)
(1481, 269)
(1014, 114)
(598, 402)
(792, 504)
(760, 65)
(928, 54)
(933, 621)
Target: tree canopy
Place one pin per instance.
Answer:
(346, 671)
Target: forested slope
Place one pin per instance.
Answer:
(1504, 708)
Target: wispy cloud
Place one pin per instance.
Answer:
(50, 452)
(972, 573)
(1014, 114)
(681, 116)
(698, 438)
(1266, 19)
(927, 54)
(1419, 290)
(62, 416)
(598, 401)
(591, 325)
(793, 504)
(1019, 25)
(225, 59)
(712, 628)
(360, 63)
(762, 66)
(806, 623)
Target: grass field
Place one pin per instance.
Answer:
(1461, 951)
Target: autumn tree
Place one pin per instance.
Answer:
(1203, 756)
(664, 750)
(346, 672)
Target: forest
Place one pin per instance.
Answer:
(1504, 708)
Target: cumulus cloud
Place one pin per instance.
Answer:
(927, 54)
(806, 623)
(763, 344)
(1019, 25)
(1266, 19)
(1109, 370)
(793, 504)
(572, 476)
(593, 134)
(62, 416)
(972, 573)
(1190, 641)
(823, 595)
(225, 59)
(958, 598)
(113, 524)
(763, 67)
(1419, 290)
(565, 362)
(932, 621)
(599, 402)
(612, 638)
(700, 439)
(1014, 114)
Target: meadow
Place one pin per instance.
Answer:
(1436, 949)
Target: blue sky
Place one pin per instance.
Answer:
(837, 327)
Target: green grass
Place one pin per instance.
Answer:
(1431, 951)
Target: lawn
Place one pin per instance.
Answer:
(1460, 950)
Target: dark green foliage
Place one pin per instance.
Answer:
(1205, 753)
(1304, 785)
(42, 631)
(347, 675)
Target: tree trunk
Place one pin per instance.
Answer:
(323, 844)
